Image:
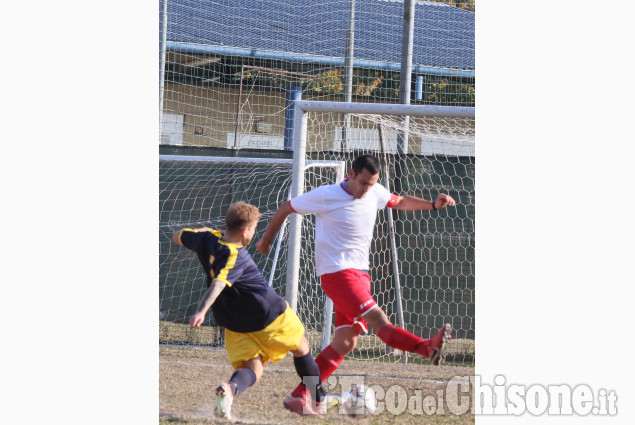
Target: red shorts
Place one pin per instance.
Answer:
(350, 292)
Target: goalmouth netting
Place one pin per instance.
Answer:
(422, 262)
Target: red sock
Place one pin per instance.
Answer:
(328, 361)
(424, 348)
(299, 391)
(399, 338)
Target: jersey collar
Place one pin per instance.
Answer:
(344, 188)
(229, 244)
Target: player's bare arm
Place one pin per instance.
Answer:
(206, 302)
(264, 244)
(412, 203)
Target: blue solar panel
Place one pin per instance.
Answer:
(443, 36)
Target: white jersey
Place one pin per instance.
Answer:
(344, 225)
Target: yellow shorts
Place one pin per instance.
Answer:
(272, 343)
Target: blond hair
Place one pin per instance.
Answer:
(241, 215)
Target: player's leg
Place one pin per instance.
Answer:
(328, 361)
(286, 334)
(344, 341)
(243, 378)
(299, 400)
(246, 357)
(305, 365)
(401, 339)
(247, 376)
(350, 292)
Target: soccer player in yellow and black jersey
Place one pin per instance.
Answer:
(259, 325)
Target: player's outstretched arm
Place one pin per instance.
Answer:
(412, 203)
(206, 302)
(264, 244)
(176, 238)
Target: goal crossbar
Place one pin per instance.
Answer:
(385, 109)
(269, 161)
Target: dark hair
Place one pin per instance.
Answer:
(368, 162)
(241, 215)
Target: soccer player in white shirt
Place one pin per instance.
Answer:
(345, 221)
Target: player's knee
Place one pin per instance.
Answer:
(303, 348)
(376, 319)
(256, 366)
(344, 345)
(258, 373)
(351, 344)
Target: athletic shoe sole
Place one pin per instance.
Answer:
(437, 356)
(223, 390)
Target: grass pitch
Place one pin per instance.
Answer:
(188, 378)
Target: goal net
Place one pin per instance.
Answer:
(195, 191)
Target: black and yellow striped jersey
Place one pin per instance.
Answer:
(247, 303)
